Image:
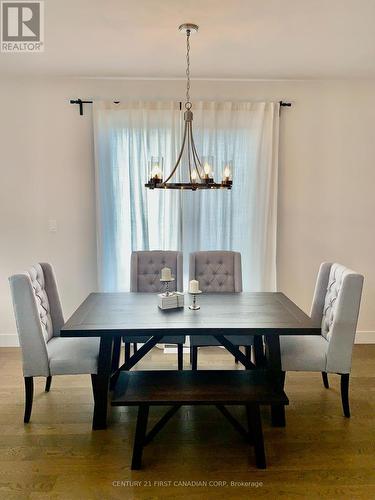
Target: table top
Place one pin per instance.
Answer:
(116, 314)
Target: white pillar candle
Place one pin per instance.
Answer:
(166, 274)
(194, 286)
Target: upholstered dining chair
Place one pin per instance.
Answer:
(219, 272)
(39, 317)
(145, 269)
(335, 305)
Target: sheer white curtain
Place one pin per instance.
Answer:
(131, 217)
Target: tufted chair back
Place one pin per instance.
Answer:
(145, 268)
(216, 271)
(336, 305)
(38, 314)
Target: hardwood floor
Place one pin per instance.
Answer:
(320, 454)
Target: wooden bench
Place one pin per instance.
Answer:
(221, 388)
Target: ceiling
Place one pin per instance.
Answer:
(240, 39)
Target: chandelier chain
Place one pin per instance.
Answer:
(188, 103)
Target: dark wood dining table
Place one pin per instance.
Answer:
(113, 316)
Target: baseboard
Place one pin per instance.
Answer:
(11, 340)
(172, 349)
(365, 338)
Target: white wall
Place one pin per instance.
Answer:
(326, 194)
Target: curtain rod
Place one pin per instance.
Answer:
(80, 103)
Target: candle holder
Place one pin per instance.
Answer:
(194, 306)
(165, 283)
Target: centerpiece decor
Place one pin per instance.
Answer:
(168, 299)
(194, 291)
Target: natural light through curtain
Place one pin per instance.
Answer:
(131, 217)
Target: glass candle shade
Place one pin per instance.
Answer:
(156, 168)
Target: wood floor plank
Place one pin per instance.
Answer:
(319, 454)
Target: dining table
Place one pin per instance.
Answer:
(114, 316)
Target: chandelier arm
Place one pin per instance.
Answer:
(189, 152)
(197, 162)
(197, 157)
(179, 156)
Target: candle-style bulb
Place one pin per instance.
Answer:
(156, 172)
(194, 175)
(226, 172)
(207, 169)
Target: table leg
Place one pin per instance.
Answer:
(133, 360)
(100, 383)
(277, 376)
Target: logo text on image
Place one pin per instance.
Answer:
(22, 26)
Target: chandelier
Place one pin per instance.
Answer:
(199, 173)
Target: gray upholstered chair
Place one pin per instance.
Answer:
(335, 305)
(145, 268)
(219, 272)
(39, 317)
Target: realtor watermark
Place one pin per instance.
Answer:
(22, 26)
(187, 484)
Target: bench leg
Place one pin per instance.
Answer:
(255, 422)
(140, 434)
(160, 424)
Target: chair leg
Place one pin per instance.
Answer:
(127, 351)
(48, 383)
(180, 356)
(325, 380)
(194, 357)
(345, 394)
(135, 347)
(139, 439)
(29, 393)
